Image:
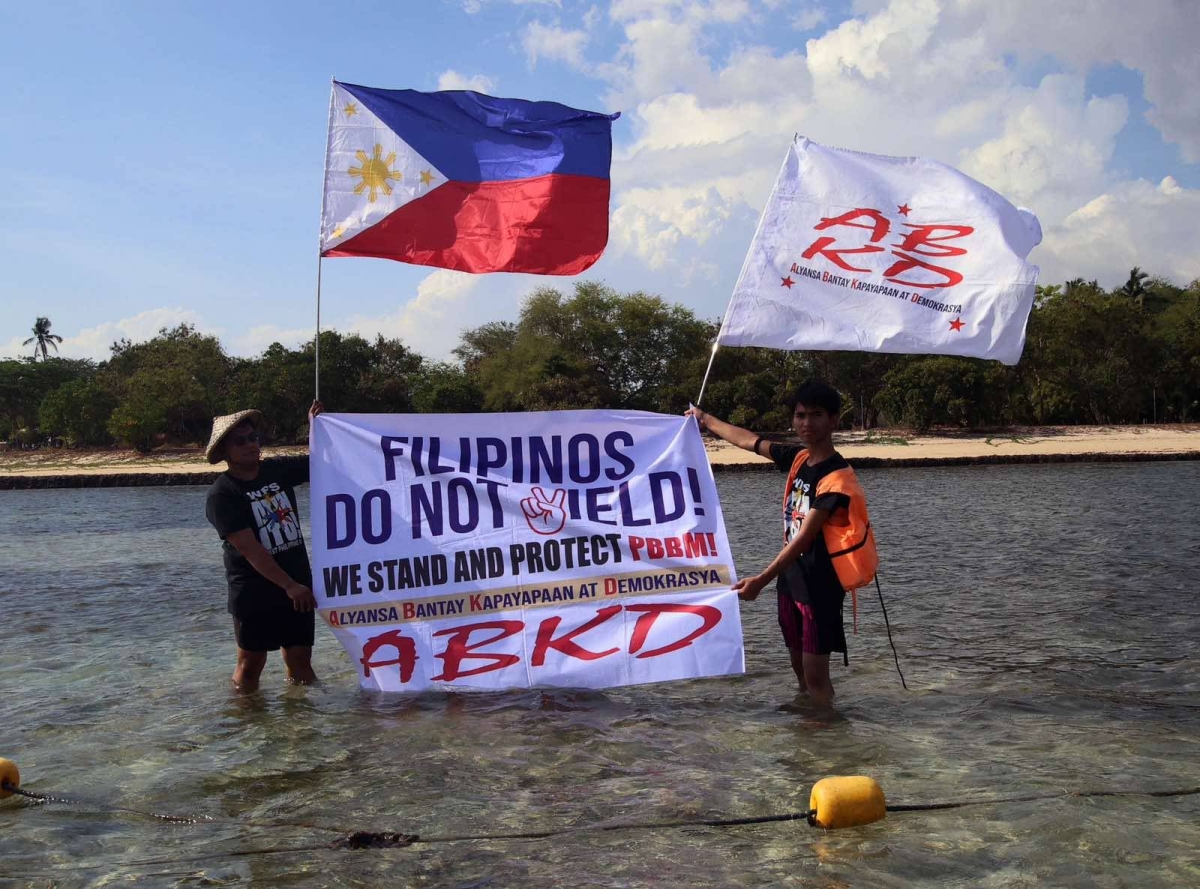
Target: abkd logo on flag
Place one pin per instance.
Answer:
(464, 181)
(884, 254)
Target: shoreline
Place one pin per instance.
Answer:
(61, 468)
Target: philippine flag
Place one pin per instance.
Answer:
(460, 180)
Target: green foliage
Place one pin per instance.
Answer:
(139, 419)
(1180, 375)
(357, 376)
(933, 390)
(747, 387)
(1135, 288)
(42, 338)
(446, 389)
(78, 411)
(1088, 358)
(280, 384)
(24, 383)
(179, 374)
(596, 348)
(1091, 356)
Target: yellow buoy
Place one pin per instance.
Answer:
(847, 801)
(9, 774)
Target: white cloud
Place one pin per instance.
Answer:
(452, 80)
(929, 77)
(553, 44)
(430, 323)
(708, 114)
(1055, 146)
(652, 223)
(1137, 223)
(660, 54)
(95, 342)
(446, 303)
(808, 18)
(1157, 39)
(256, 340)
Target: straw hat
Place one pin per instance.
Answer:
(222, 426)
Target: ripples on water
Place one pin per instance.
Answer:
(1046, 618)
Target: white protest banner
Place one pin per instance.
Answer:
(884, 254)
(566, 548)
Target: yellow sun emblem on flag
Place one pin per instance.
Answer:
(374, 173)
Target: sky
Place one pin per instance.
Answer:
(162, 162)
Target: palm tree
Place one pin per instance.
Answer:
(43, 337)
(1134, 289)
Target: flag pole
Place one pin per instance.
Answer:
(317, 340)
(711, 358)
(324, 189)
(729, 305)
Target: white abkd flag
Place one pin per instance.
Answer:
(863, 252)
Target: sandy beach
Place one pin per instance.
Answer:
(1015, 445)
(51, 467)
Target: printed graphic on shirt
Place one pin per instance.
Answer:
(276, 520)
(799, 502)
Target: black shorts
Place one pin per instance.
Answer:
(284, 627)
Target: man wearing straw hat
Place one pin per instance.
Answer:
(253, 507)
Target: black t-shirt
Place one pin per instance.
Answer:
(816, 583)
(266, 506)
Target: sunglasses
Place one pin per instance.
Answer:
(238, 440)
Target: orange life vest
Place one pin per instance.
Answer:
(848, 535)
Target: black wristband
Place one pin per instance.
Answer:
(756, 444)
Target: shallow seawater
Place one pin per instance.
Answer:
(1046, 617)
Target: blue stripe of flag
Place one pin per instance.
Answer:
(472, 137)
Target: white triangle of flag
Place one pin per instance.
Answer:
(369, 171)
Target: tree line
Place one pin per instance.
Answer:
(1092, 356)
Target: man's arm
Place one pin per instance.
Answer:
(749, 587)
(735, 435)
(247, 544)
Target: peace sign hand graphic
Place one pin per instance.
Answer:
(545, 515)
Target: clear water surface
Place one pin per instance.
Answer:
(1046, 618)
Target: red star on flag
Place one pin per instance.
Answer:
(904, 208)
(787, 282)
(956, 324)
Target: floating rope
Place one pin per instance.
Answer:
(1066, 794)
(9, 787)
(365, 839)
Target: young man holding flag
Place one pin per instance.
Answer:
(828, 545)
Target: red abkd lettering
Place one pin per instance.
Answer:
(922, 241)
(565, 644)
(928, 241)
(878, 228)
(406, 653)
(708, 615)
(460, 647)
